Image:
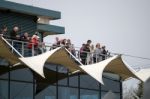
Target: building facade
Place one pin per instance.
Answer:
(20, 82)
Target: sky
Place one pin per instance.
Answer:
(122, 25)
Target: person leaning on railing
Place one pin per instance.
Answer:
(33, 44)
(57, 43)
(97, 53)
(70, 47)
(86, 52)
(104, 52)
(25, 41)
(25, 37)
(14, 35)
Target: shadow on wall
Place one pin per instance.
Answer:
(146, 93)
(109, 95)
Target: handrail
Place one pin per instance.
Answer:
(12, 47)
(21, 48)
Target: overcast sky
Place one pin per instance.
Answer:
(122, 25)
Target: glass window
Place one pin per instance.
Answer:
(89, 94)
(118, 96)
(110, 85)
(103, 94)
(20, 90)
(3, 89)
(4, 68)
(4, 62)
(3, 73)
(47, 93)
(67, 93)
(87, 81)
(62, 81)
(50, 66)
(111, 76)
(22, 75)
(50, 75)
(62, 75)
(110, 95)
(73, 80)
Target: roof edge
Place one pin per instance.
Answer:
(30, 10)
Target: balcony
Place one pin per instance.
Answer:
(22, 48)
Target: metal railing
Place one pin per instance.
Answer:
(23, 48)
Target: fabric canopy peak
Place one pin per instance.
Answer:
(37, 62)
(63, 57)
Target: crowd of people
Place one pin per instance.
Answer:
(64, 43)
(30, 42)
(88, 53)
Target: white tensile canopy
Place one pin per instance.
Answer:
(114, 65)
(56, 56)
(61, 56)
(36, 63)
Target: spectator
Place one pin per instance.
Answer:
(104, 53)
(97, 53)
(14, 33)
(89, 42)
(63, 42)
(25, 37)
(16, 38)
(81, 49)
(70, 46)
(57, 43)
(42, 48)
(81, 52)
(3, 31)
(34, 42)
(86, 51)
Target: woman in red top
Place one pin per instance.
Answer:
(34, 41)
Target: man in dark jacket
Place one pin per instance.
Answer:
(3, 31)
(15, 37)
(14, 33)
(86, 50)
(104, 53)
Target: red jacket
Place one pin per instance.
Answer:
(34, 42)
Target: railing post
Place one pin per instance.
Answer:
(79, 55)
(96, 57)
(33, 50)
(22, 43)
(12, 43)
